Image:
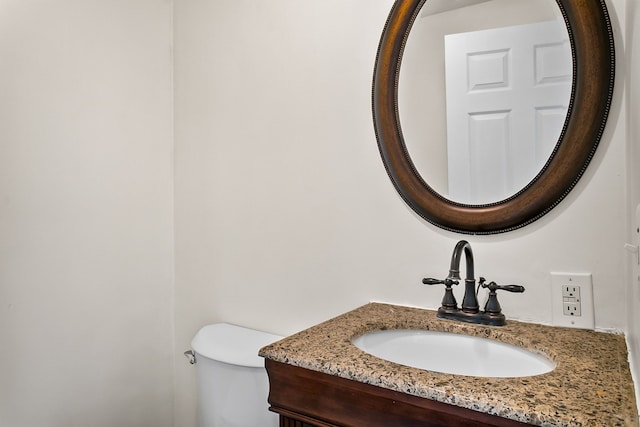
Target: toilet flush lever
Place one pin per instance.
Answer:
(189, 354)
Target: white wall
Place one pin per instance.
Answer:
(284, 213)
(633, 160)
(85, 213)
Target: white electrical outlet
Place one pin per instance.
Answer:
(572, 300)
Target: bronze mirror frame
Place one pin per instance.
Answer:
(592, 47)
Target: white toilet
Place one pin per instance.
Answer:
(232, 382)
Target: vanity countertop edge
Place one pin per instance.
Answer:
(590, 386)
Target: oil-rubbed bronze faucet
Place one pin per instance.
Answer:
(470, 311)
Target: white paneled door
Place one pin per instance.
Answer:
(508, 91)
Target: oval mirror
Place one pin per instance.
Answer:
(484, 125)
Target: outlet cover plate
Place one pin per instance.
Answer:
(586, 319)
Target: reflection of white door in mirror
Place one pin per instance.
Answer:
(507, 92)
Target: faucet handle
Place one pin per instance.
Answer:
(447, 282)
(449, 302)
(493, 286)
(492, 307)
(511, 288)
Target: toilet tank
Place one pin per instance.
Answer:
(232, 382)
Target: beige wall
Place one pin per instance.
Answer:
(284, 213)
(85, 213)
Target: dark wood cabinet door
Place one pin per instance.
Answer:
(306, 398)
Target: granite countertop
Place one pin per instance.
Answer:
(591, 385)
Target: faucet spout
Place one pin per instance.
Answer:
(470, 300)
(454, 270)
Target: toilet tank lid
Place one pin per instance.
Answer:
(232, 344)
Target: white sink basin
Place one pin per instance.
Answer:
(453, 353)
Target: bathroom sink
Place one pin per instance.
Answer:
(453, 353)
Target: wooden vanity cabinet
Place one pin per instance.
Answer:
(306, 398)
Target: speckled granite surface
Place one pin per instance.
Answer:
(591, 385)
